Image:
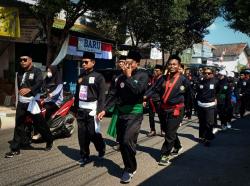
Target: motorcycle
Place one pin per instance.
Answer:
(61, 123)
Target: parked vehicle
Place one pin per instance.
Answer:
(61, 123)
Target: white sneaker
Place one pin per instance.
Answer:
(229, 126)
(126, 177)
(215, 130)
(36, 137)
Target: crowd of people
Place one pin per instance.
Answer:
(173, 93)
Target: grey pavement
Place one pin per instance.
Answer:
(226, 162)
(7, 117)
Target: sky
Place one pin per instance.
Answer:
(220, 33)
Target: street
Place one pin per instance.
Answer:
(225, 162)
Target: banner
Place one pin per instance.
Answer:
(89, 45)
(77, 47)
(9, 22)
(155, 53)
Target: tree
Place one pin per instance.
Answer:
(238, 15)
(133, 19)
(47, 10)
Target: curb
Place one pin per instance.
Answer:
(7, 122)
(4, 114)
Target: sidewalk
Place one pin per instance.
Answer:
(7, 117)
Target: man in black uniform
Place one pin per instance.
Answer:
(172, 89)
(241, 89)
(29, 80)
(89, 100)
(206, 99)
(154, 102)
(223, 98)
(127, 95)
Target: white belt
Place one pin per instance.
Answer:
(33, 107)
(23, 99)
(206, 105)
(88, 105)
(92, 106)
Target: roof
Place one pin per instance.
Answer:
(84, 29)
(234, 49)
(204, 42)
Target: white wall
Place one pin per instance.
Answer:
(232, 64)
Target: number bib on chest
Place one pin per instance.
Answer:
(83, 93)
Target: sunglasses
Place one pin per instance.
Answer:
(23, 59)
(207, 73)
(85, 62)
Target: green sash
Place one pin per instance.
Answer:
(126, 109)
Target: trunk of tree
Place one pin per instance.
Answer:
(163, 57)
(49, 43)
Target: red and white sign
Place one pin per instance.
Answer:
(77, 46)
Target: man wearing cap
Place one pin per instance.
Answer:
(127, 96)
(29, 82)
(154, 101)
(89, 101)
(172, 88)
(206, 100)
(241, 89)
(247, 94)
(223, 98)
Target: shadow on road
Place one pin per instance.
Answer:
(154, 153)
(189, 136)
(225, 163)
(112, 168)
(70, 152)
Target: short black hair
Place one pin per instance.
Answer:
(158, 67)
(89, 55)
(176, 57)
(136, 56)
(122, 57)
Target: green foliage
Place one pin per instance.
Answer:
(238, 14)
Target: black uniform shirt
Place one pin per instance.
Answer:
(155, 96)
(241, 86)
(178, 92)
(206, 90)
(223, 91)
(128, 91)
(93, 84)
(32, 79)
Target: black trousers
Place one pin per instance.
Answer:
(128, 128)
(243, 104)
(51, 108)
(151, 115)
(222, 110)
(170, 127)
(38, 123)
(206, 121)
(87, 134)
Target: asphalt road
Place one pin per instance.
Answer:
(226, 162)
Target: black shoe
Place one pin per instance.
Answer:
(151, 133)
(11, 154)
(49, 146)
(84, 160)
(164, 161)
(176, 152)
